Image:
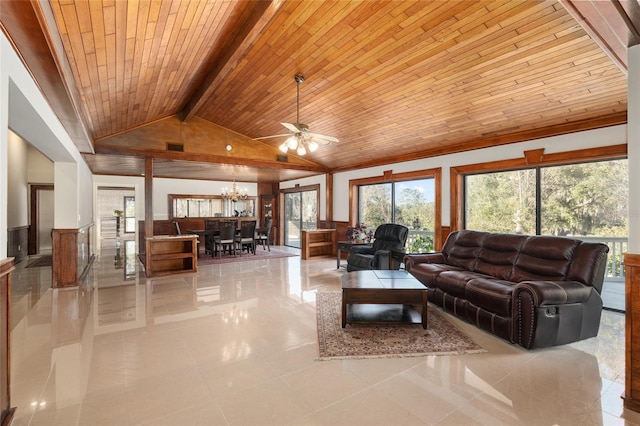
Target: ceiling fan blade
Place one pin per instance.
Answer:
(323, 138)
(291, 127)
(273, 136)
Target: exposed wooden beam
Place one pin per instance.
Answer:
(631, 19)
(23, 23)
(256, 18)
(614, 25)
(209, 158)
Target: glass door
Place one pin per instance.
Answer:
(300, 212)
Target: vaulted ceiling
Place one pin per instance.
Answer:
(392, 80)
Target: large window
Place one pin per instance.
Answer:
(570, 200)
(405, 200)
(409, 203)
(501, 202)
(588, 201)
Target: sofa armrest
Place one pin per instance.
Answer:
(546, 293)
(414, 259)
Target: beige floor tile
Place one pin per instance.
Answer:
(236, 344)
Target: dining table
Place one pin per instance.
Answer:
(207, 233)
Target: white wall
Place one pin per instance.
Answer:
(601, 137)
(25, 111)
(18, 190)
(40, 168)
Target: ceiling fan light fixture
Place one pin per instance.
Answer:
(300, 139)
(292, 142)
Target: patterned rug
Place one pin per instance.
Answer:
(261, 254)
(386, 340)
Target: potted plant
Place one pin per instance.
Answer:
(359, 234)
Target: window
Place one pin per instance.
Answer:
(409, 203)
(129, 214)
(501, 202)
(582, 199)
(209, 206)
(587, 201)
(408, 199)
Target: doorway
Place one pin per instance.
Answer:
(41, 219)
(116, 218)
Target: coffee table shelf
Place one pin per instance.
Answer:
(382, 287)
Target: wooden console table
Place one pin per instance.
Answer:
(171, 254)
(318, 242)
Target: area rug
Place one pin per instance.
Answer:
(386, 340)
(46, 260)
(207, 259)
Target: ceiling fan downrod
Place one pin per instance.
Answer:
(299, 78)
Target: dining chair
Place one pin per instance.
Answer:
(213, 226)
(262, 234)
(247, 237)
(226, 239)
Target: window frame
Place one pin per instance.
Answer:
(530, 159)
(390, 177)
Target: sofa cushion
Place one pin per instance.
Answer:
(544, 258)
(491, 294)
(426, 273)
(498, 254)
(465, 251)
(360, 261)
(454, 282)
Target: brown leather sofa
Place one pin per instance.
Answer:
(536, 291)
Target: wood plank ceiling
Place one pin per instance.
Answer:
(393, 80)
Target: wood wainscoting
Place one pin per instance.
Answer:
(71, 256)
(6, 411)
(18, 243)
(631, 395)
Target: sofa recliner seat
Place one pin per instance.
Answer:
(535, 291)
(388, 236)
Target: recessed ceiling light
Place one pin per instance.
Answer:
(229, 147)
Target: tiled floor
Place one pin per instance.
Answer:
(236, 344)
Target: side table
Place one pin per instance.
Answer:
(398, 256)
(346, 246)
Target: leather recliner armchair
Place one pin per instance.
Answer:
(388, 236)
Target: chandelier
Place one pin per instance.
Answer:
(234, 194)
(300, 143)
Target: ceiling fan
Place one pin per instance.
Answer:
(300, 139)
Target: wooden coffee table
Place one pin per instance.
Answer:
(382, 287)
